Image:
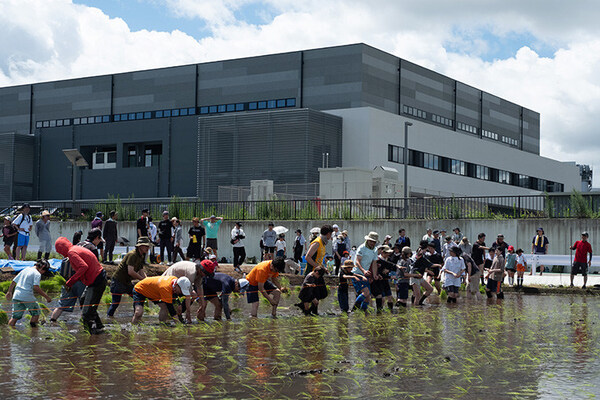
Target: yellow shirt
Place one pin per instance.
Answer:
(320, 253)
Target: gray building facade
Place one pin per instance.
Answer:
(186, 130)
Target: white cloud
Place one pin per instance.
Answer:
(55, 39)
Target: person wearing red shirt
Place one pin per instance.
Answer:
(89, 271)
(580, 265)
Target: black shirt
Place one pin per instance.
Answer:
(437, 245)
(164, 229)
(502, 246)
(469, 261)
(436, 258)
(403, 241)
(384, 267)
(478, 254)
(421, 265)
(142, 225)
(198, 232)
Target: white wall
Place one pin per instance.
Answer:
(368, 131)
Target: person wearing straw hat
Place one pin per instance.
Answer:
(195, 271)
(161, 290)
(380, 287)
(366, 256)
(131, 267)
(42, 231)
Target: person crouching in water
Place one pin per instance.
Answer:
(495, 276)
(345, 274)
(313, 290)
(454, 268)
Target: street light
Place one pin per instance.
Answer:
(77, 161)
(405, 162)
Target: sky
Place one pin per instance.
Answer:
(541, 54)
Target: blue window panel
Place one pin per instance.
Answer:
(131, 116)
(192, 111)
(167, 113)
(106, 118)
(230, 107)
(271, 104)
(239, 107)
(222, 108)
(98, 119)
(76, 121)
(262, 104)
(67, 122)
(139, 115)
(159, 114)
(280, 103)
(175, 113)
(147, 115)
(290, 102)
(46, 124)
(212, 109)
(252, 105)
(204, 110)
(183, 111)
(117, 117)
(59, 122)
(53, 123)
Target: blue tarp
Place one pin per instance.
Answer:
(17, 266)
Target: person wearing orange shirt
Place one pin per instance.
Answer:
(263, 278)
(161, 290)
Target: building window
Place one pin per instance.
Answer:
(98, 119)
(482, 172)
(504, 177)
(167, 113)
(230, 107)
(271, 104)
(105, 158)
(191, 111)
(38, 124)
(131, 156)
(222, 108)
(262, 105)
(131, 116)
(458, 167)
(395, 154)
(290, 102)
(159, 114)
(252, 105)
(431, 161)
(106, 118)
(147, 115)
(183, 111)
(152, 155)
(203, 110)
(280, 103)
(213, 109)
(239, 107)
(53, 123)
(59, 122)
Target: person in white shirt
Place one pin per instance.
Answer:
(454, 268)
(428, 236)
(21, 293)
(280, 246)
(239, 251)
(23, 223)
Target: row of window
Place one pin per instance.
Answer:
(176, 112)
(489, 134)
(138, 155)
(415, 112)
(458, 167)
(466, 127)
(509, 140)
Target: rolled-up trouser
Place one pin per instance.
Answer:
(117, 289)
(93, 295)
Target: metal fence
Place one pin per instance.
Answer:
(480, 207)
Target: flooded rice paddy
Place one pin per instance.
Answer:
(528, 347)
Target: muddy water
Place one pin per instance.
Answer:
(527, 347)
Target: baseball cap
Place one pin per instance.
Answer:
(511, 248)
(208, 267)
(185, 285)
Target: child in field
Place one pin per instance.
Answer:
(345, 274)
(511, 265)
(454, 268)
(329, 264)
(313, 290)
(21, 293)
(495, 276)
(521, 267)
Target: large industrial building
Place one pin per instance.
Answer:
(187, 130)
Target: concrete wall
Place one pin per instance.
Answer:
(560, 232)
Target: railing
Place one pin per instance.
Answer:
(475, 207)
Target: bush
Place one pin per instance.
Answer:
(3, 317)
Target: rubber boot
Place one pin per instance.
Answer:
(314, 309)
(489, 294)
(46, 256)
(500, 295)
(39, 256)
(449, 300)
(422, 299)
(379, 305)
(391, 306)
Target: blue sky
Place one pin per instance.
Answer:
(541, 54)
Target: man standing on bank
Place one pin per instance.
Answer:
(269, 237)
(110, 237)
(42, 230)
(539, 245)
(212, 231)
(142, 224)
(580, 265)
(239, 251)
(197, 240)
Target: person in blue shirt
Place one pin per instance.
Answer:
(212, 224)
